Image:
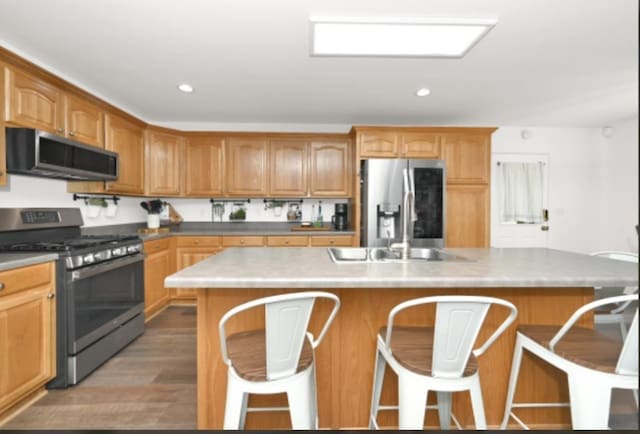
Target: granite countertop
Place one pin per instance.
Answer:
(309, 267)
(17, 260)
(210, 228)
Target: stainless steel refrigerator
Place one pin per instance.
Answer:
(382, 202)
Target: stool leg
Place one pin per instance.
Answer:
(243, 414)
(378, 377)
(477, 404)
(412, 400)
(444, 409)
(513, 379)
(590, 402)
(233, 404)
(300, 402)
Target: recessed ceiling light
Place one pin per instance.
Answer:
(184, 87)
(423, 92)
(401, 37)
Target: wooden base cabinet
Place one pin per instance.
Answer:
(27, 333)
(157, 266)
(468, 214)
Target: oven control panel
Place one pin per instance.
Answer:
(39, 217)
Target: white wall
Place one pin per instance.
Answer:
(620, 160)
(576, 182)
(25, 191)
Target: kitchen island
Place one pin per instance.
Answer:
(545, 285)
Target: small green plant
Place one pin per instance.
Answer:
(98, 201)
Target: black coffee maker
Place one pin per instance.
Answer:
(340, 218)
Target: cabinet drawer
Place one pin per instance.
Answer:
(198, 242)
(287, 241)
(243, 241)
(336, 240)
(156, 245)
(18, 279)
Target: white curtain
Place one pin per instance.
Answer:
(521, 192)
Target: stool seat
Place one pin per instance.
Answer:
(582, 346)
(412, 347)
(248, 355)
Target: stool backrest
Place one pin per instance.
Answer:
(286, 321)
(458, 321)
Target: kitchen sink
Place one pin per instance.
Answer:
(381, 254)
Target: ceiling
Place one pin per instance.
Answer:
(546, 63)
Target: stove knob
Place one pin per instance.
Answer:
(102, 255)
(132, 249)
(118, 251)
(88, 258)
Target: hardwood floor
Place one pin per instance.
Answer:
(151, 384)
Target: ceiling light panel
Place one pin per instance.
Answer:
(399, 37)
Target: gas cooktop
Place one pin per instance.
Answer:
(69, 244)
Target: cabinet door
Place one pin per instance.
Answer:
(163, 163)
(246, 166)
(187, 256)
(378, 143)
(203, 166)
(468, 158)
(31, 102)
(85, 121)
(27, 343)
(467, 219)
(3, 148)
(330, 169)
(420, 145)
(288, 168)
(156, 268)
(127, 140)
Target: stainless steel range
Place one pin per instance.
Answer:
(100, 285)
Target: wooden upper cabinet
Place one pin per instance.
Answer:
(127, 140)
(288, 168)
(397, 143)
(330, 169)
(246, 166)
(419, 145)
(468, 216)
(468, 158)
(84, 121)
(378, 143)
(203, 166)
(163, 163)
(31, 102)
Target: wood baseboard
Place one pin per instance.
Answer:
(183, 302)
(22, 405)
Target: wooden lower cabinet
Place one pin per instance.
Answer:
(189, 251)
(467, 218)
(27, 334)
(157, 266)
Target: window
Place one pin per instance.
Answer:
(521, 190)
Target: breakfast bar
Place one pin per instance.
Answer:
(546, 286)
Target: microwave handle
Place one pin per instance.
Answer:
(102, 268)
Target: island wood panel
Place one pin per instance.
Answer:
(345, 358)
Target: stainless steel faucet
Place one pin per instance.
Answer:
(409, 214)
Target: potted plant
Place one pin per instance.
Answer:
(94, 205)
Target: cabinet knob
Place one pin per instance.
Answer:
(332, 242)
(72, 133)
(241, 241)
(50, 295)
(1, 286)
(286, 242)
(197, 241)
(60, 130)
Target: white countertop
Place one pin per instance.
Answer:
(305, 267)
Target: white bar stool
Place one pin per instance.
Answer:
(616, 314)
(594, 365)
(438, 358)
(276, 359)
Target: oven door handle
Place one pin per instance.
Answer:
(102, 268)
